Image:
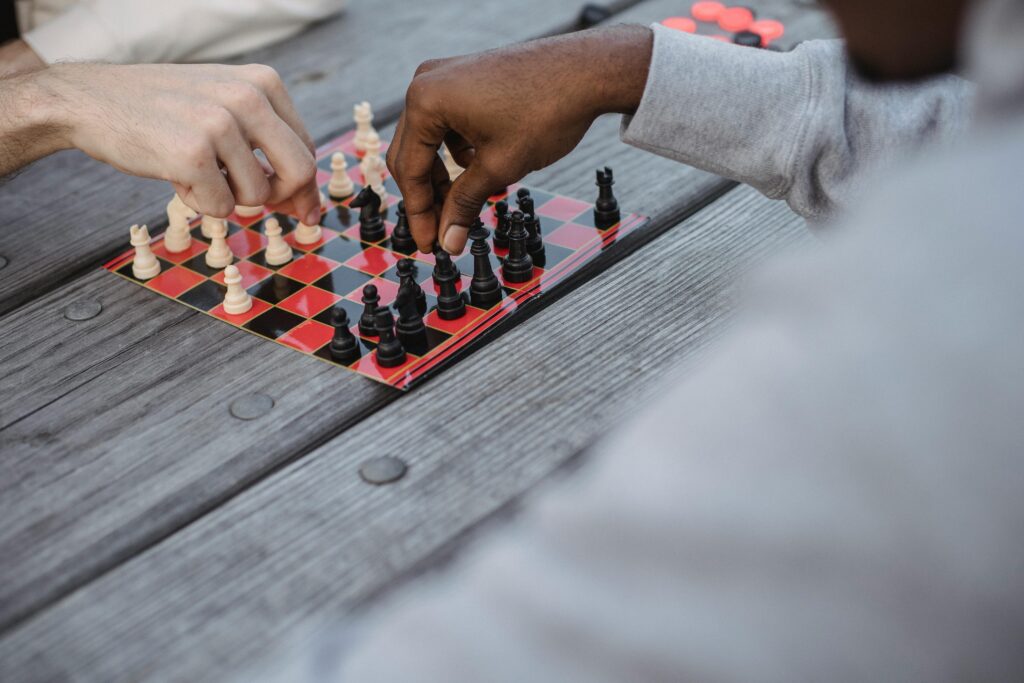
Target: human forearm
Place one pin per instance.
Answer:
(33, 123)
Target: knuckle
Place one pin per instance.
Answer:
(464, 203)
(263, 76)
(218, 122)
(195, 153)
(428, 66)
(244, 96)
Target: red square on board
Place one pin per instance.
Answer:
(308, 336)
(386, 290)
(258, 306)
(326, 235)
(175, 281)
(368, 366)
(195, 248)
(454, 326)
(309, 301)
(373, 261)
(246, 242)
(573, 236)
(251, 273)
(309, 268)
(563, 208)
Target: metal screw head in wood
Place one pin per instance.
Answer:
(82, 310)
(3, 261)
(382, 470)
(251, 406)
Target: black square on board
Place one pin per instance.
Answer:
(339, 249)
(343, 281)
(274, 322)
(275, 288)
(198, 264)
(353, 308)
(204, 296)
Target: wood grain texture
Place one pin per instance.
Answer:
(314, 538)
(370, 52)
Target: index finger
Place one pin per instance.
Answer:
(267, 79)
(413, 170)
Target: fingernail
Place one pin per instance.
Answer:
(455, 239)
(313, 217)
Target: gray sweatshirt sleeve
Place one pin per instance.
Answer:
(798, 126)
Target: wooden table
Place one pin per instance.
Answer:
(150, 534)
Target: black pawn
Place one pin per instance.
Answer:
(534, 239)
(368, 320)
(371, 223)
(390, 352)
(407, 280)
(451, 305)
(401, 236)
(606, 209)
(344, 347)
(440, 253)
(518, 266)
(521, 194)
(501, 231)
(410, 327)
(485, 290)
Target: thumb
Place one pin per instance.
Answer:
(465, 201)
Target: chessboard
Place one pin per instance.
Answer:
(296, 304)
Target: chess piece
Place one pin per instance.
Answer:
(144, 265)
(401, 236)
(501, 230)
(518, 266)
(485, 290)
(344, 346)
(249, 211)
(178, 236)
(208, 226)
(236, 299)
(407, 280)
(521, 194)
(390, 352)
(278, 252)
(443, 263)
(534, 239)
(410, 328)
(363, 116)
(454, 170)
(371, 224)
(219, 254)
(371, 152)
(374, 178)
(178, 204)
(606, 209)
(367, 321)
(308, 234)
(341, 185)
(451, 305)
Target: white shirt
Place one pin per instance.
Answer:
(138, 31)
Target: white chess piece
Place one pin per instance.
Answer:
(372, 153)
(278, 252)
(179, 204)
(248, 211)
(454, 170)
(341, 184)
(145, 265)
(375, 179)
(323, 201)
(209, 225)
(178, 236)
(219, 254)
(363, 116)
(236, 299)
(308, 234)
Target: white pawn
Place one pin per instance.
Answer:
(363, 116)
(374, 177)
(210, 225)
(278, 252)
(178, 236)
(372, 153)
(236, 299)
(308, 234)
(341, 184)
(249, 211)
(145, 265)
(454, 170)
(323, 201)
(179, 204)
(219, 254)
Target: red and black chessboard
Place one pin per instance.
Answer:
(733, 24)
(292, 303)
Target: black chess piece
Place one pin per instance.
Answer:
(368, 320)
(521, 194)
(485, 290)
(344, 347)
(401, 236)
(371, 223)
(410, 328)
(534, 239)
(451, 305)
(501, 231)
(390, 352)
(518, 266)
(437, 260)
(606, 209)
(407, 280)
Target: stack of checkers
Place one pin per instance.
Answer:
(735, 24)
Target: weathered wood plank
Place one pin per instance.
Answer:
(312, 539)
(369, 52)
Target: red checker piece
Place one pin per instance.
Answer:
(195, 248)
(246, 242)
(175, 281)
(373, 261)
(309, 268)
(735, 19)
(563, 208)
(684, 24)
(309, 336)
(706, 11)
(454, 326)
(386, 290)
(573, 236)
(258, 306)
(309, 301)
(251, 273)
(768, 29)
